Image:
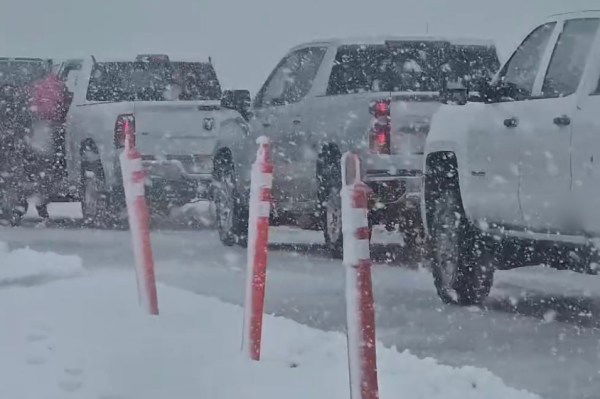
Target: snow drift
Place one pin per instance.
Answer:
(25, 264)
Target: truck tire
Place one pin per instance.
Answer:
(329, 176)
(94, 197)
(332, 231)
(231, 211)
(12, 208)
(461, 264)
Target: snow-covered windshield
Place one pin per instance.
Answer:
(413, 66)
(19, 73)
(153, 81)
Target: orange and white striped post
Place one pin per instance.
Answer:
(258, 241)
(139, 216)
(360, 313)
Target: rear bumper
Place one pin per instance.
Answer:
(170, 181)
(396, 200)
(389, 190)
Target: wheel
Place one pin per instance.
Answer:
(42, 210)
(95, 205)
(231, 212)
(461, 264)
(329, 178)
(332, 231)
(13, 207)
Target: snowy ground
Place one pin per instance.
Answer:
(539, 330)
(86, 337)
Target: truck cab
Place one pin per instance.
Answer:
(520, 169)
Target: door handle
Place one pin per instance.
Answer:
(511, 122)
(562, 120)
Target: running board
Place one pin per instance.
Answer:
(530, 235)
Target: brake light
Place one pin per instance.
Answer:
(379, 135)
(125, 131)
(381, 108)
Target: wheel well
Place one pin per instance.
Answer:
(88, 145)
(90, 158)
(223, 157)
(330, 155)
(328, 164)
(441, 172)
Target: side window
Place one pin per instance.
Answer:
(570, 57)
(292, 78)
(310, 61)
(69, 74)
(522, 68)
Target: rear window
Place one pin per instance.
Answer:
(20, 73)
(408, 66)
(153, 81)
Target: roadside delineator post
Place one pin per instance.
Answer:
(360, 313)
(258, 241)
(139, 217)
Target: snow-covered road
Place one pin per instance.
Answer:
(540, 330)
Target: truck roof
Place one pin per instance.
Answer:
(383, 39)
(575, 14)
(172, 58)
(24, 59)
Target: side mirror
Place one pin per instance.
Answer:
(455, 92)
(489, 92)
(500, 91)
(238, 100)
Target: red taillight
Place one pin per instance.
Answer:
(125, 130)
(379, 136)
(381, 108)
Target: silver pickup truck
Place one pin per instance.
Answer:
(174, 107)
(374, 96)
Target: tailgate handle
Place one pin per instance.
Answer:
(562, 120)
(511, 122)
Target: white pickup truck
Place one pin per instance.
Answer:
(515, 180)
(375, 96)
(174, 108)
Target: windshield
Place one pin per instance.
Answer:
(153, 81)
(20, 73)
(412, 66)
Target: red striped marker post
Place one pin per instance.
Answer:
(360, 314)
(139, 216)
(258, 240)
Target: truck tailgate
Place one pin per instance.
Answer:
(176, 128)
(410, 119)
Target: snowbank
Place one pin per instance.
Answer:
(28, 265)
(87, 338)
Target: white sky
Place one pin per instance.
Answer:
(247, 37)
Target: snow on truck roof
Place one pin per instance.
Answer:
(383, 39)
